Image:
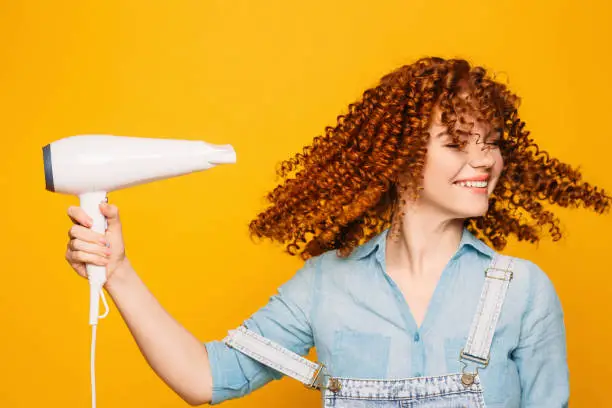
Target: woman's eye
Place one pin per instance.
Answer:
(453, 146)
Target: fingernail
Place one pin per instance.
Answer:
(103, 241)
(108, 252)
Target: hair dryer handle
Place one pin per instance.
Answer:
(90, 203)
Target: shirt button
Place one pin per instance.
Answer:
(417, 337)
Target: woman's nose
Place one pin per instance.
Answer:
(480, 156)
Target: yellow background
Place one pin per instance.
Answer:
(265, 77)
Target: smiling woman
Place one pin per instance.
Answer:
(387, 207)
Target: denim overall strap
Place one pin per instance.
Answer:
(497, 279)
(276, 356)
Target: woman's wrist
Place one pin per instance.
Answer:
(120, 276)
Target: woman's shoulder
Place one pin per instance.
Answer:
(331, 265)
(527, 270)
(533, 284)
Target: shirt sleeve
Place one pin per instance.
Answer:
(285, 319)
(541, 355)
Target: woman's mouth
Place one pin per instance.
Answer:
(475, 186)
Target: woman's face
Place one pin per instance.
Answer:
(458, 179)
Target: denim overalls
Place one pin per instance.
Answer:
(460, 389)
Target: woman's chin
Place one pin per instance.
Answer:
(473, 211)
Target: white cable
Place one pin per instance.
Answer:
(106, 309)
(93, 365)
(93, 351)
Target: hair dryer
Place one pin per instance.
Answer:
(90, 166)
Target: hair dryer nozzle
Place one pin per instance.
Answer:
(223, 154)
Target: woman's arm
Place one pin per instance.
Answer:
(199, 373)
(541, 355)
(175, 355)
(285, 319)
(182, 362)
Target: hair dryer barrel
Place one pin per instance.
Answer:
(80, 164)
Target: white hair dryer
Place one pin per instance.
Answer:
(90, 166)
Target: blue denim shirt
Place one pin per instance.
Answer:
(357, 318)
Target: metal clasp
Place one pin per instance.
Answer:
(316, 381)
(482, 361)
(467, 379)
(320, 380)
(506, 272)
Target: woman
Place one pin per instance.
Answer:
(399, 211)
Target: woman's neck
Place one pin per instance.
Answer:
(426, 242)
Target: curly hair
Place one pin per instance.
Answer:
(345, 187)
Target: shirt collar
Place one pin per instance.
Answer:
(370, 246)
(469, 239)
(377, 243)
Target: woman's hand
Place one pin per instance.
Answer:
(89, 247)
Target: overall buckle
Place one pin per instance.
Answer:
(321, 381)
(317, 379)
(508, 274)
(467, 378)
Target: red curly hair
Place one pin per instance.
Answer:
(345, 188)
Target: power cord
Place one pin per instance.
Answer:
(94, 330)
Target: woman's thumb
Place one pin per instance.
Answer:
(111, 212)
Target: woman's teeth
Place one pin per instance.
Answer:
(479, 184)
